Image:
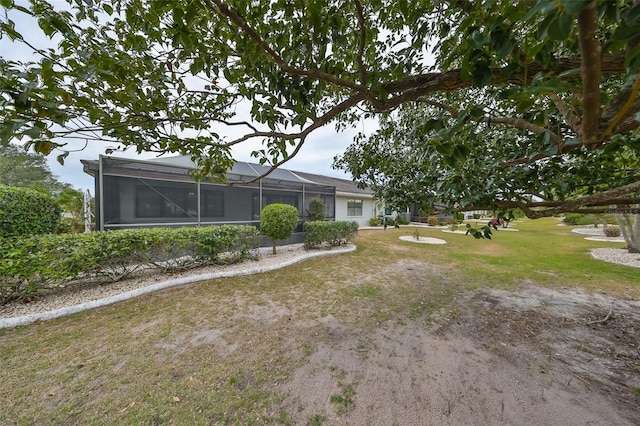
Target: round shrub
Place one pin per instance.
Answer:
(278, 221)
(25, 211)
(612, 231)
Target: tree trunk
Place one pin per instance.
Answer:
(630, 229)
(273, 246)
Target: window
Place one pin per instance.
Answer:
(354, 208)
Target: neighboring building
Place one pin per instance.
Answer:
(162, 192)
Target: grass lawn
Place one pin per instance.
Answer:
(219, 351)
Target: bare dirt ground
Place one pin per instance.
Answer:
(532, 357)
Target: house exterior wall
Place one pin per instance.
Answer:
(368, 208)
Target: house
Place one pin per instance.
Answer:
(162, 192)
(352, 202)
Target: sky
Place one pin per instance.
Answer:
(316, 156)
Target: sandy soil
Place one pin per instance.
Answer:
(538, 357)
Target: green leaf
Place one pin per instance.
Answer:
(559, 26)
(43, 147)
(9, 29)
(542, 7)
(60, 158)
(574, 6)
(633, 15)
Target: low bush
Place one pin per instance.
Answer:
(432, 220)
(332, 233)
(402, 220)
(388, 221)
(580, 219)
(28, 264)
(374, 221)
(612, 231)
(571, 219)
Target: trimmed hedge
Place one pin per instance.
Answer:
(25, 211)
(332, 233)
(31, 263)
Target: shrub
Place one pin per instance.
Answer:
(612, 231)
(29, 263)
(278, 221)
(581, 219)
(402, 220)
(25, 211)
(332, 233)
(432, 220)
(374, 221)
(571, 219)
(388, 221)
(316, 210)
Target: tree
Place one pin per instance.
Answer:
(27, 169)
(547, 83)
(278, 221)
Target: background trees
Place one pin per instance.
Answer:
(26, 169)
(509, 100)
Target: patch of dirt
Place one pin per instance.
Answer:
(534, 356)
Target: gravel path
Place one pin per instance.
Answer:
(72, 299)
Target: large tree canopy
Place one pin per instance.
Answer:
(532, 89)
(29, 170)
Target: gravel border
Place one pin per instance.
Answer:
(95, 296)
(621, 256)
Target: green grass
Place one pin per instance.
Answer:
(218, 352)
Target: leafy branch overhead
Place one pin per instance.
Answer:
(489, 94)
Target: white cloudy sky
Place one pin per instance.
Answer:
(315, 157)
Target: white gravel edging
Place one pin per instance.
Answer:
(620, 256)
(422, 240)
(57, 313)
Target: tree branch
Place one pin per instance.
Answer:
(591, 74)
(567, 113)
(625, 110)
(361, 42)
(230, 14)
(525, 125)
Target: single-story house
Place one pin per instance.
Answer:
(163, 192)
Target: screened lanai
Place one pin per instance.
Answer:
(162, 192)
